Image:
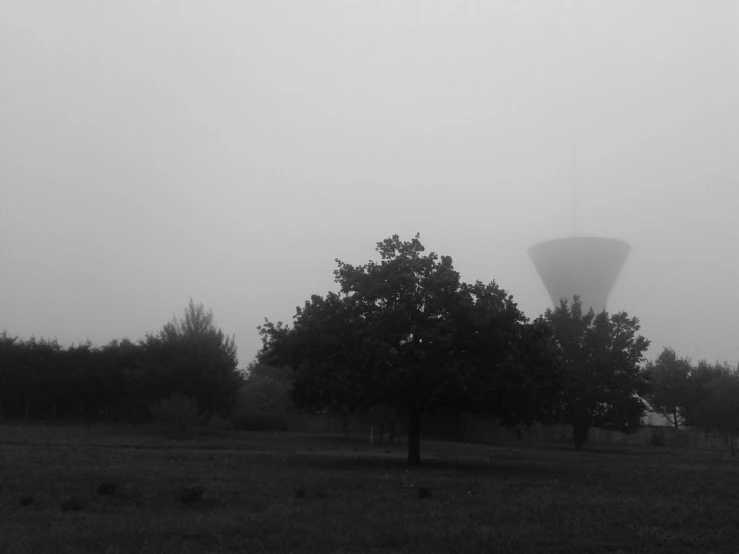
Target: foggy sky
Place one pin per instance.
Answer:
(228, 151)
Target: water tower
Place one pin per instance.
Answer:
(583, 266)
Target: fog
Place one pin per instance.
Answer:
(229, 151)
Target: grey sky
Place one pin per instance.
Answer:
(228, 151)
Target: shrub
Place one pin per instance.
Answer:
(218, 423)
(657, 437)
(250, 421)
(190, 495)
(263, 404)
(107, 488)
(71, 504)
(178, 412)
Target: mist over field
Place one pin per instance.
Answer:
(151, 152)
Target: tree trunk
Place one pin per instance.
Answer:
(414, 437)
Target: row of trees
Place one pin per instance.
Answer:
(189, 356)
(701, 396)
(407, 333)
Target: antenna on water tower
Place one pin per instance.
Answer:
(574, 191)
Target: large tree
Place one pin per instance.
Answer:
(697, 391)
(668, 377)
(603, 382)
(714, 403)
(406, 332)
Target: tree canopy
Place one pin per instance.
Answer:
(603, 382)
(704, 396)
(192, 356)
(668, 377)
(712, 403)
(406, 332)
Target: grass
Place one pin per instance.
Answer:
(77, 489)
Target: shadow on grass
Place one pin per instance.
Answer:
(396, 462)
(616, 450)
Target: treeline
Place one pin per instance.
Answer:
(404, 339)
(122, 380)
(701, 396)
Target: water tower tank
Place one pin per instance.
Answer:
(584, 266)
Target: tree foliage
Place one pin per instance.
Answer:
(697, 391)
(703, 396)
(193, 357)
(178, 412)
(406, 332)
(603, 382)
(668, 377)
(717, 411)
(708, 399)
(264, 401)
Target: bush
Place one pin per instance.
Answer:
(657, 437)
(263, 403)
(218, 423)
(249, 421)
(178, 412)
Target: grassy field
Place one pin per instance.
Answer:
(256, 492)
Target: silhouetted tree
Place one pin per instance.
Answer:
(117, 361)
(603, 383)
(37, 380)
(718, 412)
(324, 348)
(256, 369)
(406, 332)
(12, 374)
(668, 378)
(711, 400)
(192, 356)
(698, 392)
(264, 401)
(77, 383)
